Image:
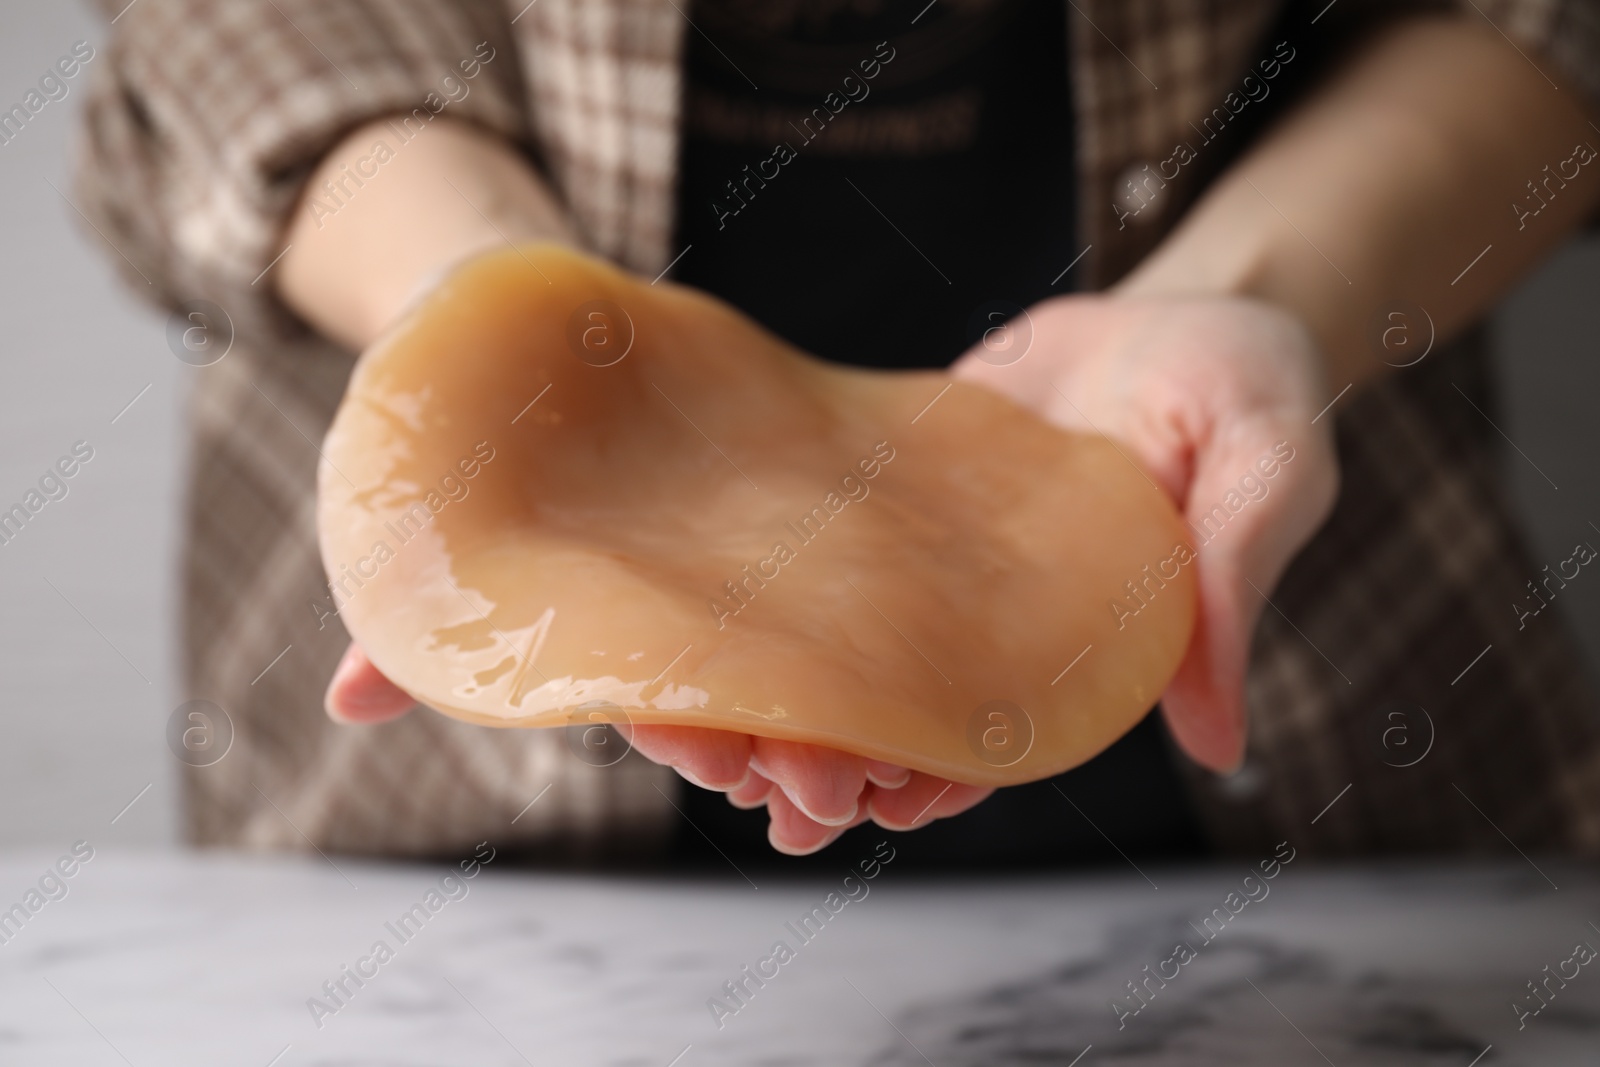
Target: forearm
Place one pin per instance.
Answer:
(1385, 186)
(359, 252)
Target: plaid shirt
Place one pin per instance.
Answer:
(208, 115)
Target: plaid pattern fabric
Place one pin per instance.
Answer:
(1366, 670)
(603, 90)
(208, 115)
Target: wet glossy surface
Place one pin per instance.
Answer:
(555, 485)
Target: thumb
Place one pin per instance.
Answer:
(1204, 702)
(359, 692)
(1247, 528)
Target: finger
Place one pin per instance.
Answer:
(888, 775)
(1204, 703)
(824, 783)
(359, 693)
(1239, 564)
(921, 801)
(753, 794)
(711, 759)
(794, 833)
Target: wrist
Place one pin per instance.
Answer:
(1219, 249)
(1233, 246)
(360, 249)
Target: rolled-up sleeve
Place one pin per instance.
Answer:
(206, 117)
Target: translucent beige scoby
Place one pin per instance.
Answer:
(554, 488)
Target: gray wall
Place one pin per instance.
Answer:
(81, 727)
(1549, 362)
(84, 698)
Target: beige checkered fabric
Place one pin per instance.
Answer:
(207, 116)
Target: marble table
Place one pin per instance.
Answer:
(173, 958)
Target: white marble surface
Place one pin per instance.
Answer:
(210, 960)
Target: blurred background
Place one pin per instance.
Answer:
(88, 590)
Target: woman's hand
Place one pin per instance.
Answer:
(1196, 390)
(812, 794)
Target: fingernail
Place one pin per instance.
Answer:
(747, 805)
(796, 850)
(341, 673)
(359, 710)
(714, 786)
(887, 775)
(335, 712)
(855, 806)
(886, 823)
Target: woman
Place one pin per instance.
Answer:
(1271, 202)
